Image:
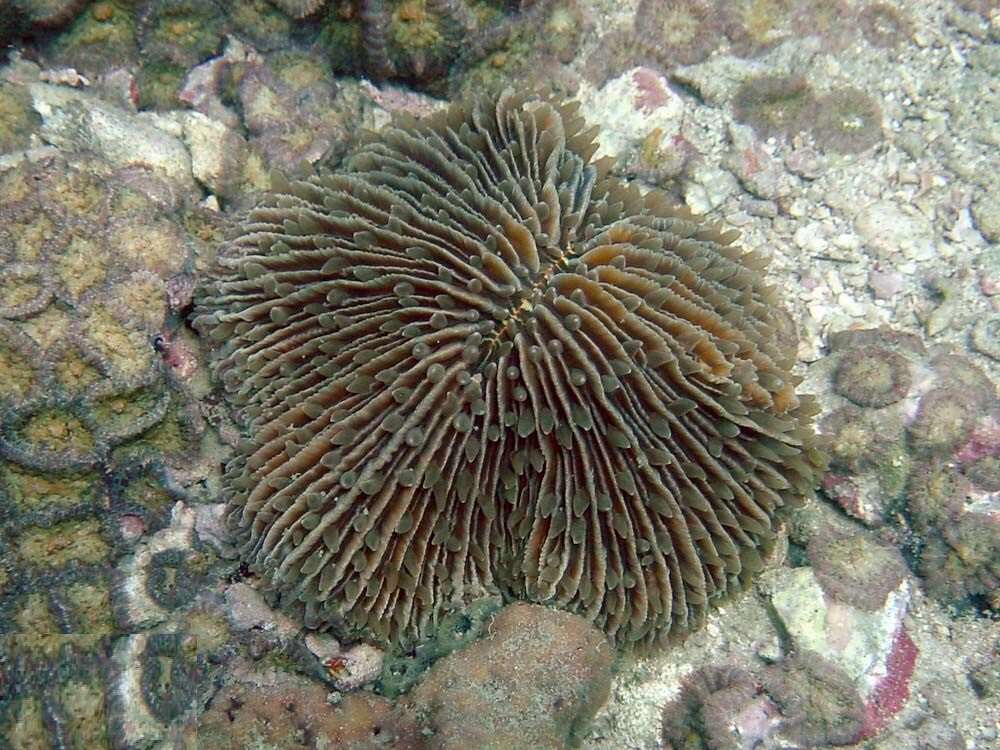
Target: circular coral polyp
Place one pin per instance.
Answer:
(474, 363)
(873, 376)
(855, 569)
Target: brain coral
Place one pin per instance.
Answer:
(475, 362)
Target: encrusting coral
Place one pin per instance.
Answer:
(678, 31)
(775, 105)
(848, 121)
(843, 121)
(961, 564)
(856, 569)
(873, 376)
(883, 25)
(475, 362)
(91, 417)
(430, 44)
(819, 703)
(914, 439)
(718, 708)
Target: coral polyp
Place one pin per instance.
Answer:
(848, 121)
(855, 569)
(913, 440)
(883, 25)
(944, 419)
(962, 564)
(679, 30)
(819, 701)
(708, 712)
(181, 32)
(873, 376)
(427, 43)
(775, 105)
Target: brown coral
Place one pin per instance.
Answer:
(944, 419)
(775, 105)
(848, 121)
(862, 440)
(883, 25)
(873, 376)
(475, 361)
(431, 44)
(678, 31)
(719, 708)
(819, 701)
(934, 495)
(961, 566)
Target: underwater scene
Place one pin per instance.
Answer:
(499, 374)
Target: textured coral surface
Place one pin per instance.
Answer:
(91, 421)
(474, 362)
(851, 141)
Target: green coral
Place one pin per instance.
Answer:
(99, 39)
(340, 40)
(183, 32)
(775, 105)
(89, 416)
(158, 83)
(260, 22)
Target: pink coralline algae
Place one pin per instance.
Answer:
(983, 442)
(890, 692)
(653, 90)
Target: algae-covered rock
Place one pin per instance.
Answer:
(534, 682)
(75, 120)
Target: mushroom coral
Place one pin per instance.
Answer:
(475, 363)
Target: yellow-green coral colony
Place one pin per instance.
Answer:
(474, 362)
(427, 43)
(90, 419)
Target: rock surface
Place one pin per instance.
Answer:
(77, 121)
(534, 681)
